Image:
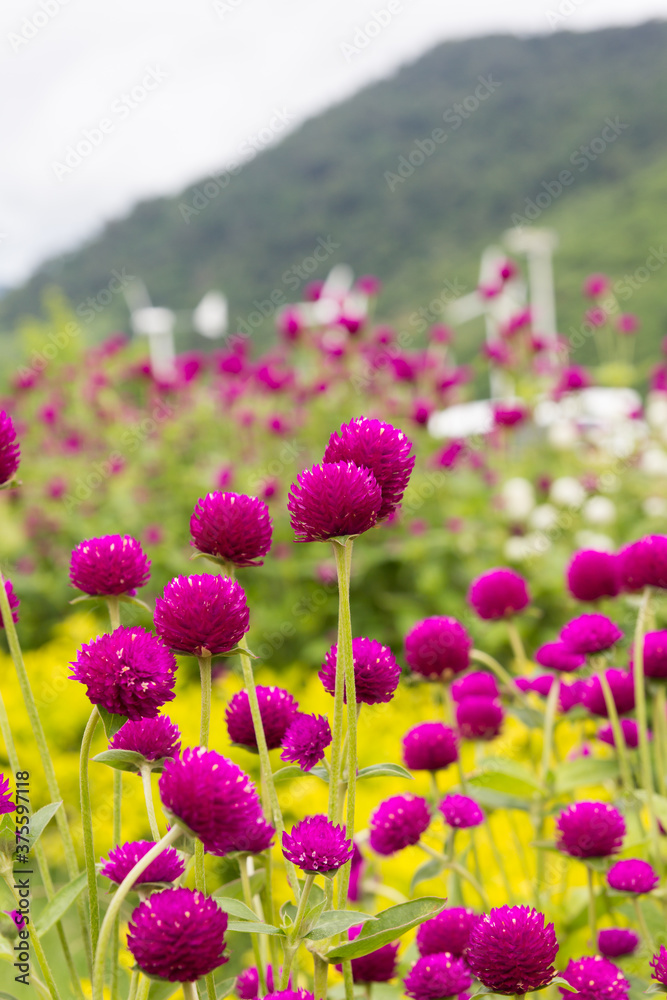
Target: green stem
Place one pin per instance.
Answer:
(320, 977)
(516, 642)
(592, 919)
(435, 791)
(641, 920)
(501, 674)
(190, 991)
(619, 737)
(45, 757)
(150, 805)
(642, 723)
(459, 869)
(205, 720)
(293, 945)
(348, 980)
(117, 804)
(337, 733)
(549, 725)
(34, 941)
(659, 734)
(113, 604)
(134, 983)
(254, 938)
(117, 901)
(343, 556)
(497, 857)
(87, 825)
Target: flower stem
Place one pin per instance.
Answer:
(87, 825)
(592, 919)
(516, 642)
(190, 991)
(501, 674)
(497, 856)
(292, 947)
(549, 725)
(117, 803)
(254, 938)
(348, 980)
(205, 720)
(642, 722)
(150, 805)
(641, 920)
(35, 942)
(320, 977)
(339, 694)
(659, 732)
(459, 869)
(617, 730)
(343, 556)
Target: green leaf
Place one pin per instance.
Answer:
(111, 723)
(531, 717)
(492, 799)
(162, 990)
(224, 988)
(659, 804)
(507, 776)
(236, 908)
(389, 925)
(121, 760)
(60, 903)
(234, 889)
(573, 774)
(39, 821)
(559, 981)
(335, 922)
(430, 869)
(7, 996)
(252, 927)
(293, 771)
(320, 772)
(384, 770)
(511, 769)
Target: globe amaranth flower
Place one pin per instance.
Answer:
(233, 527)
(590, 830)
(590, 634)
(511, 950)
(655, 654)
(438, 648)
(154, 739)
(332, 500)
(659, 965)
(498, 593)
(109, 566)
(167, 867)
(644, 563)
(13, 603)
(632, 875)
(6, 803)
(128, 672)
(558, 656)
(436, 976)
(247, 982)
(477, 682)
(305, 740)
(380, 448)
(448, 931)
(202, 615)
(595, 978)
(354, 891)
(460, 811)
(210, 796)
(592, 575)
(378, 966)
(614, 942)
(630, 732)
(277, 708)
(178, 934)
(10, 453)
(398, 822)
(479, 718)
(299, 994)
(317, 846)
(622, 687)
(430, 746)
(256, 836)
(376, 672)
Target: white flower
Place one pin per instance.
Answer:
(599, 510)
(655, 507)
(518, 498)
(594, 540)
(567, 492)
(654, 461)
(543, 517)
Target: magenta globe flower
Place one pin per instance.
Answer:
(333, 500)
(448, 931)
(232, 527)
(13, 603)
(430, 746)
(398, 822)
(299, 994)
(6, 803)
(178, 934)
(434, 977)
(376, 672)
(109, 566)
(512, 950)
(479, 718)
(382, 449)
(438, 648)
(460, 812)
(167, 867)
(614, 942)
(128, 672)
(202, 615)
(644, 563)
(558, 656)
(592, 575)
(10, 453)
(305, 740)
(632, 875)
(590, 634)
(655, 654)
(257, 836)
(659, 965)
(476, 683)
(630, 734)
(595, 978)
(498, 593)
(621, 684)
(278, 709)
(378, 966)
(154, 739)
(357, 866)
(317, 846)
(247, 982)
(590, 830)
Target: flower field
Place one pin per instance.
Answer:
(305, 696)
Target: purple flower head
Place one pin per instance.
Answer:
(478, 682)
(247, 983)
(6, 803)
(398, 822)
(202, 615)
(13, 603)
(448, 931)
(592, 575)
(622, 686)
(558, 656)
(590, 634)
(571, 695)
(632, 875)
(210, 796)
(10, 452)
(332, 500)
(655, 654)
(376, 672)
(108, 566)
(499, 593)
(233, 527)
(479, 718)
(590, 830)
(356, 870)
(644, 563)
(17, 917)
(318, 846)
(128, 672)
(277, 708)
(541, 684)
(382, 449)
(659, 965)
(178, 934)
(630, 734)
(595, 978)
(437, 976)
(378, 966)
(154, 739)
(511, 950)
(430, 746)
(299, 994)
(256, 836)
(305, 740)
(167, 867)
(614, 942)
(460, 811)
(438, 648)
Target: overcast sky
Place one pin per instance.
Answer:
(157, 93)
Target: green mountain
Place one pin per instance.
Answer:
(411, 178)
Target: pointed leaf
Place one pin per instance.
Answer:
(389, 925)
(224, 988)
(573, 774)
(335, 922)
(162, 990)
(320, 772)
(531, 717)
(236, 908)
(111, 723)
(490, 798)
(559, 981)
(293, 771)
(430, 869)
(384, 770)
(121, 760)
(252, 927)
(60, 903)
(40, 819)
